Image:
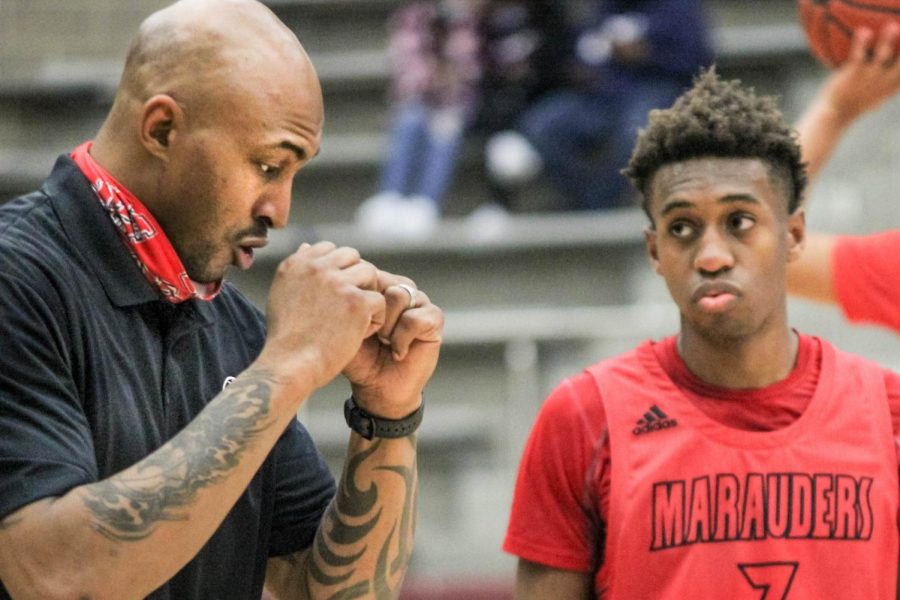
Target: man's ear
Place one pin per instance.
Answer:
(796, 233)
(650, 241)
(161, 119)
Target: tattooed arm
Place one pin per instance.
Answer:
(364, 543)
(126, 535)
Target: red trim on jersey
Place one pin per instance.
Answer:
(763, 409)
(143, 236)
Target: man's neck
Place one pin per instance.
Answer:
(740, 363)
(119, 160)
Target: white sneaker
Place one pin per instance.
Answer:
(379, 213)
(511, 160)
(416, 217)
(487, 222)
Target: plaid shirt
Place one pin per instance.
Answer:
(434, 48)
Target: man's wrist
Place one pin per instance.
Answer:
(838, 113)
(386, 404)
(370, 425)
(299, 376)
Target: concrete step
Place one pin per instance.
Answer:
(492, 335)
(597, 258)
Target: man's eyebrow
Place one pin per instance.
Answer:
(300, 152)
(675, 204)
(740, 198)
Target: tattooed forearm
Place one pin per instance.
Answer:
(407, 525)
(346, 536)
(129, 506)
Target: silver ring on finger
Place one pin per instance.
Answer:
(413, 294)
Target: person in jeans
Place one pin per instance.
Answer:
(629, 57)
(434, 50)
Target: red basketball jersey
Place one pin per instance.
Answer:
(701, 510)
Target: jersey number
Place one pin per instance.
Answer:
(773, 578)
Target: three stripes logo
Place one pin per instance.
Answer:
(654, 420)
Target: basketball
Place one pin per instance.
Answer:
(829, 24)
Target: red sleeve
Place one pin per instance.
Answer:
(866, 276)
(554, 519)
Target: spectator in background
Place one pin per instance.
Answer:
(857, 273)
(629, 57)
(524, 46)
(434, 52)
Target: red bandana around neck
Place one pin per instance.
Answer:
(143, 236)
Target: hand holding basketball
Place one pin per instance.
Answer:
(869, 76)
(830, 24)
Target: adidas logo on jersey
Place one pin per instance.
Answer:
(654, 420)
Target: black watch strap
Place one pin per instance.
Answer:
(369, 426)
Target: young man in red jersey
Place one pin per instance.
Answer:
(738, 457)
(856, 273)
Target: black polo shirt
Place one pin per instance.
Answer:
(96, 372)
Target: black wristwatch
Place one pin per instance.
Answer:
(369, 426)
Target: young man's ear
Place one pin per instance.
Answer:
(796, 233)
(650, 241)
(161, 117)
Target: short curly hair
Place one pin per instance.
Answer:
(717, 118)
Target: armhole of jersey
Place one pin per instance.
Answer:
(592, 498)
(601, 379)
(881, 407)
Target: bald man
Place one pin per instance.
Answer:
(149, 445)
